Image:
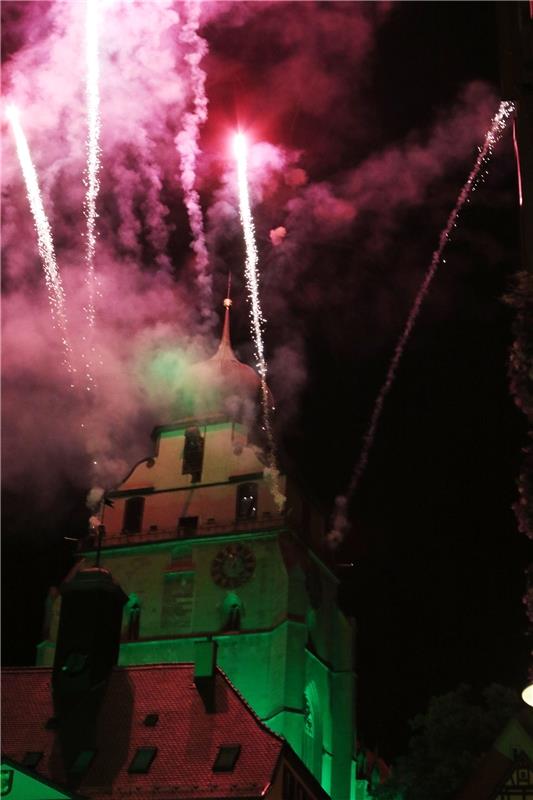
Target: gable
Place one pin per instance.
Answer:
(19, 784)
(519, 785)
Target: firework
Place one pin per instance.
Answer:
(187, 145)
(478, 172)
(45, 243)
(256, 315)
(93, 151)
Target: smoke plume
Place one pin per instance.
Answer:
(330, 188)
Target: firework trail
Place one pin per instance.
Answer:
(187, 145)
(45, 243)
(256, 316)
(93, 150)
(497, 127)
(91, 181)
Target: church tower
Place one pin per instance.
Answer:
(209, 563)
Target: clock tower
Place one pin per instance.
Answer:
(207, 560)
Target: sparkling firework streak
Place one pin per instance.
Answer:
(493, 135)
(187, 145)
(54, 285)
(256, 317)
(93, 151)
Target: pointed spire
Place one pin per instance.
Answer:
(225, 350)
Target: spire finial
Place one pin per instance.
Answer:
(224, 348)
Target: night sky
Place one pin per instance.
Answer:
(365, 120)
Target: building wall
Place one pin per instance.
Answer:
(229, 459)
(291, 654)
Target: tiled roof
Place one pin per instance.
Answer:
(488, 777)
(496, 767)
(187, 738)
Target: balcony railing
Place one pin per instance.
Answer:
(153, 534)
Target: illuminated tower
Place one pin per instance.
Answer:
(195, 540)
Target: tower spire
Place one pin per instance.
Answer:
(224, 348)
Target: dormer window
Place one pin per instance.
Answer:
(226, 758)
(246, 501)
(193, 454)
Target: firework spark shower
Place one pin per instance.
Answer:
(494, 133)
(45, 242)
(351, 179)
(93, 150)
(156, 65)
(256, 314)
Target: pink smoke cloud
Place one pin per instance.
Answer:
(307, 104)
(296, 177)
(277, 235)
(401, 176)
(143, 97)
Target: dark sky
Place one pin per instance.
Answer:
(366, 120)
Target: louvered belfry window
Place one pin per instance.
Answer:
(133, 515)
(193, 454)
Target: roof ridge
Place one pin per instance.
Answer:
(247, 705)
(26, 668)
(160, 666)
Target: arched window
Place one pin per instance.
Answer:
(133, 611)
(312, 731)
(232, 611)
(246, 501)
(133, 515)
(193, 454)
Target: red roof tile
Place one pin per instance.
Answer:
(187, 738)
(489, 777)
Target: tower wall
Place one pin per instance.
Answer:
(196, 542)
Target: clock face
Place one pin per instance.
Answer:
(233, 565)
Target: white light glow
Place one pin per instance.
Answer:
(527, 695)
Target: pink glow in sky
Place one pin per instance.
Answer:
(160, 62)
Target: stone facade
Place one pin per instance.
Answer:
(195, 540)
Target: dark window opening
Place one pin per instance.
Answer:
(289, 785)
(51, 724)
(226, 758)
(31, 759)
(133, 515)
(233, 622)
(83, 761)
(232, 609)
(246, 501)
(151, 720)
(142, 760)
(193, 454)
(187, 526)
(292, 788)
(134, 619)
